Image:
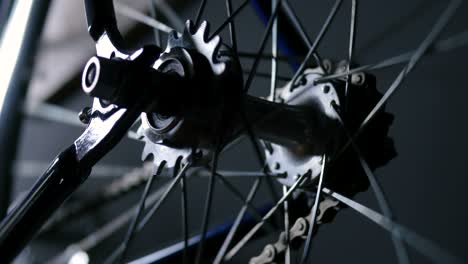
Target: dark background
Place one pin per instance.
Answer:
(425, 183)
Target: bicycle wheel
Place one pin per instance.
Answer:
(317, 127)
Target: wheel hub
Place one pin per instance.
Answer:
(306, 157)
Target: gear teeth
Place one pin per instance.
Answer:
(189, 28)
(196, 38)
(163, 155)
(146, 153)
(215, 44)
(156, 170)
(203, 30)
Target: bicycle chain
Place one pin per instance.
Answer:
(118, 188)
(298, 232)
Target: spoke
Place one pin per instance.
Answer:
(201, 9)
(400, 249)
(98, 236)
(169, 13)
(230, 18)
(313, 214)
(274, 53)
(396, 26)
(54, 113)
(152, 211)
(421, 244)
(255, 213)
(435, 32)
(254, 230)
(136, 15)
(164, 196)
(267, 75)
(287, 254)
(352, 37)
(240, 216)
(301, 30)
(130, 180)
(225, 174)
(456, 41)
(420, 51)
(131, 230)
(208, 205)
(232, 27)
(184, 216)
(317, 40)
(252, 55)
(153, 13)
(258, 154)
(265, 36)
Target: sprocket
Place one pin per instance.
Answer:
(196, 57)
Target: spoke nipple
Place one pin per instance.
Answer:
(327, 65)
(85, 115)
(358, 79)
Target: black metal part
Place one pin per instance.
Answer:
(125, 82)
(63, 176)
(100, 15)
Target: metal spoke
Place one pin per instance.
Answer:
(54, 113)
(131, 179)
(164, 196)
(420, 51)
(118, 189)
(208, 205)
(445, 45)
(268, 75)
(254, 230)
(260, 49)
(400, 249)
(255, 213)
(258, 154)
(317, 40)
(152, 211)
(169, 13)
(95, 238)
(131, 230)
(230, 18)
(287, 253)
(274, 53)
(301, 30)
(227, 241)
(201, 9)
(435, 32)
(232, 27)
(136, 15)
(252, 55)
(184, 216)
(225, 174)
(313, 214)
(352, 37)
(60, 115)
(397, 26)
(421, 244)
(153, 13)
